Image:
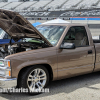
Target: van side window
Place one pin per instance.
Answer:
(7, 36)
(77, 35)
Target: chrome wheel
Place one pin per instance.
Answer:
(36, 79)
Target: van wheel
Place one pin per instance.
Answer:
(35, 78)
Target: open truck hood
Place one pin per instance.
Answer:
(18, 27)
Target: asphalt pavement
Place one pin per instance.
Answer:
(85, 87)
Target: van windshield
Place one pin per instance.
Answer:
(2, 33)
(1, 30)
(51, 32)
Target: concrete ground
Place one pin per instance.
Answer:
(86, 87)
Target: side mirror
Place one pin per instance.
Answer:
(67, 46)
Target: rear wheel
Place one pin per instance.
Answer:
(34, 79)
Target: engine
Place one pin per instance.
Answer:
(16, 48)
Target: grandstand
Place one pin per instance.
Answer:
(54, 8)
(24, 6)
(12, 5)
(98, 5)
(86, 4)
(71, 3)
(50, 5)
(54, 5)
(39, 5)
(3, 4)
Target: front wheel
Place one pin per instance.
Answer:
(34, 79)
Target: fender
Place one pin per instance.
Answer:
(17, 69)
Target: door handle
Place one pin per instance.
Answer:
(90, 52)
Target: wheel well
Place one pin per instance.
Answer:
(47, 66)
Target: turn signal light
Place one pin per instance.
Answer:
(8, 63)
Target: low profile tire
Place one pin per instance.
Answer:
(34, 78)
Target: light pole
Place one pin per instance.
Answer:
(72, 16)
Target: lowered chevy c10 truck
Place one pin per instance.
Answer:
(45, 53)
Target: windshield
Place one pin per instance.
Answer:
(51, 33)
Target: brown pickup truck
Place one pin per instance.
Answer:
(45, 53)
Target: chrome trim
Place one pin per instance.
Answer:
(3, 61)
(5, 68)
(8, 83)
(2, 65)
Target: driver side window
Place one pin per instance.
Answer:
(77, 35)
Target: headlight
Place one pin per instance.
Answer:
(6, 73)
(5, 63)
(2, 63)
(5, 68)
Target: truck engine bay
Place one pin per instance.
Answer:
(24, 45)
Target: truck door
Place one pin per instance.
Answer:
(76, 61)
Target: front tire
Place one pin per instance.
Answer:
(34, 78)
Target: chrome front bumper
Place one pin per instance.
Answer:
(5, 79)
(8, 83)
